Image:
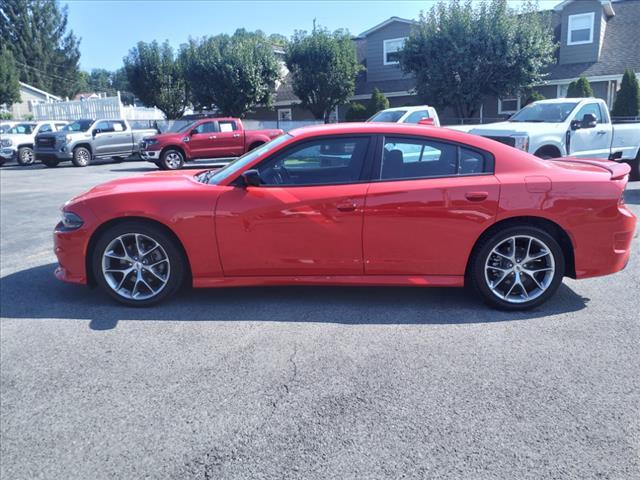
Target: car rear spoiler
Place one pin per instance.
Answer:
(618, 170)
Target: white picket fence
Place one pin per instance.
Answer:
(109, 107)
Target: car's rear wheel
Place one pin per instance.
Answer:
(25, 156)
(635, 168)
(81, 157)
(517, 268)
(171, 159)
(50, 162)
(138, 264)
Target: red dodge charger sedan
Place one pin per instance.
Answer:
(355, 204)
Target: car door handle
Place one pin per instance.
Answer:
(236, 135)
(347, 206)
(212, 137)
(476, 196)
(601, 132)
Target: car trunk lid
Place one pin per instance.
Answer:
(617, 171)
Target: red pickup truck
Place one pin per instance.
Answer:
(206, 138)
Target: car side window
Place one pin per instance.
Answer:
(592, 108)
(408, 158)
(45, 128)
(415, 117)
(327, 161)
(207, 127)
(405, 158)
(60, 126)
(227, 126)
(118, 126)
(104, 126)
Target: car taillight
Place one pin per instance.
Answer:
(621, 199)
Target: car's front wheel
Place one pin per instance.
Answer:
(171, 159)
(517, 268)
(25, 156)
(138, 264)
(81, 157)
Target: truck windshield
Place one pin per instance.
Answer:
(216, 176)
(391, 116)
(78, 126)
(545, 112)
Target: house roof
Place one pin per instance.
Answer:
(385, 23)
(37, 90)
(616, 54)
(606, 4)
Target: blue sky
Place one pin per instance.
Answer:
(110, 28)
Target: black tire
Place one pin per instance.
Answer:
(50, 162)
(176, 266)
(483, 251)
(634, 175)
(25, 156)
(117, 159)
(81, 157)
(545, 153)
(255, 145)
(171, 159)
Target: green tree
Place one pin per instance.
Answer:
(580, 88)
(9, 83)
(534, 96)
(323, 68)
(357, 112)
(460, 54)
(627, 102)
(234, 73)
(377, 102)
(155, 76)
(46, 54)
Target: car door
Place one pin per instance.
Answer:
(429, 204)
(591, 142)
(229, 141)
(202, 140)
(306, 216)
(121, 139)
(102, 138)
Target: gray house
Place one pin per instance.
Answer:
(597, 39)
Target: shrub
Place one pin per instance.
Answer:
(377, 102)
(627, 102)
(356, 112)
(580, 88)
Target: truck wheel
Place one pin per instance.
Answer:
(117, 159)
(81, 157)
(51, 163)
(25, 156)
(171, 159)
(635, 168)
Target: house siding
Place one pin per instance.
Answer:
(582, 53)
(376, 69)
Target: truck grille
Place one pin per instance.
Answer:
(45, 142)
(506, 140)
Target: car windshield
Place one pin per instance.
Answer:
(22, 128)
(544, 112)
(78, 126)
(391, 116)
(216, 176)
(180, 126)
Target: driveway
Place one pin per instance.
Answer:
(304, 382)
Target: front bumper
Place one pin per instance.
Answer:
(8, 154)
(150, 155)
(60, 153)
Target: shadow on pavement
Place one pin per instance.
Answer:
(35, 293)
(632, 196)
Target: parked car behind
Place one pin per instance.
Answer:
(4, 126)
(420, 114)
(85, 140)
(562, 127)
(17, 143)
(205, 138)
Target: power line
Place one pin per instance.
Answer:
(46, 74)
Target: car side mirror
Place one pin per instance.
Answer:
(95, 131)
(426, 121)
(251, 178)
(193, 132)
(576, 124)
(589, 120)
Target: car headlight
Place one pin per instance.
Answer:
(68, 139)
(70, 221)
(6, 142)
(150, 141)
(521, 142)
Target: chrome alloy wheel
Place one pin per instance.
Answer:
(519, 269)
(83, 157)
(173, 160)
(26, 156)
(135, 266)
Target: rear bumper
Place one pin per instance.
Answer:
(606, 249)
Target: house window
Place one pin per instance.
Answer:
(563, 88)
(284, 114)
(581, 29)
(508, 105)
(391, 50)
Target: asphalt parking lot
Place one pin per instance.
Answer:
(304, 382)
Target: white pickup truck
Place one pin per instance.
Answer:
(576, 127)
(422, 114)
(16, 143)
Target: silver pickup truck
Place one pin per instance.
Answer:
(85, 140)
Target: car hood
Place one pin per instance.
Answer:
(15, 137)
(509, 128)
